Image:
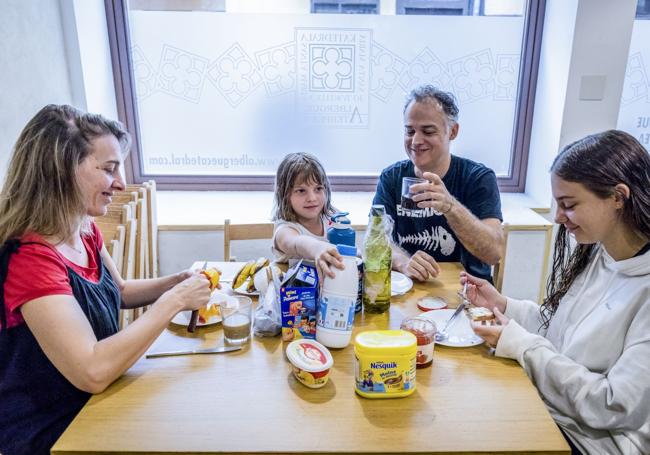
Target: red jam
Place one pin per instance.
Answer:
(425, 332)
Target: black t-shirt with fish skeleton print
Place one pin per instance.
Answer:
(472, 184)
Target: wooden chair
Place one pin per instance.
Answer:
(147, 192)
(232, 232)
(499, 268)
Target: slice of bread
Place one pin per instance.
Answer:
(477, 313)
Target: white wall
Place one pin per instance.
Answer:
(582, 38)
(34, 68)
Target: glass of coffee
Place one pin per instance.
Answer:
(237, 317)
(407, 194)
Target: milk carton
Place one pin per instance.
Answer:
(337, 303)
(298, 298)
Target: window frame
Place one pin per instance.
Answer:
(119, 42)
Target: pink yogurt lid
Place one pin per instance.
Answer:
(309, 355)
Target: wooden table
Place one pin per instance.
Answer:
(248, 401)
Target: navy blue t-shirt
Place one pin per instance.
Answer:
(472, 184)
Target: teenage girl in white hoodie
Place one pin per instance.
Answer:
(587, 348)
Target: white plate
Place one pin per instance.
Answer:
(226, 287)
(461, 334)
(399, 283)
(242, 291)
(183, 318)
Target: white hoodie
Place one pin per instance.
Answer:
(592, 365)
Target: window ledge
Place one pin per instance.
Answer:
(207, 210)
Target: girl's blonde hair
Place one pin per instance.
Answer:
(40, 192)
(297, 168)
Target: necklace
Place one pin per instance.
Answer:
(79, 251)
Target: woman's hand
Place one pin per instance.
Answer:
(328, 257)
(481, 293)
(420, 266)
(190, 294)
(490, 331)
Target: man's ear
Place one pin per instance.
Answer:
(621, 194)
(454, 131)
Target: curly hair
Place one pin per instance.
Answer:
(599, 162)
(428, 92)
(41, 193)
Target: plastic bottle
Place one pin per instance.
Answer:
(341, 232)
(377, 260)
(336, 305)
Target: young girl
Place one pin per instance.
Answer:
(301, 211)
(587, 348)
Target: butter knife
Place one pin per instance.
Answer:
(218, 350)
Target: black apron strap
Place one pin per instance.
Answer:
(9, 248)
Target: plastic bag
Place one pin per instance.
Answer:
(268, 319)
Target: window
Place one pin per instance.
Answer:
(436, 7)
(345, 7)
(216, 93)
(634, 114)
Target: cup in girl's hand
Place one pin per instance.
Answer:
(407, 194)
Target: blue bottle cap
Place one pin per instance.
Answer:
(335, 218)
(346, 250)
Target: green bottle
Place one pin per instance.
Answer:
(377, 259)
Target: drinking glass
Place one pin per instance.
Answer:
(237, 319)
(407, 195)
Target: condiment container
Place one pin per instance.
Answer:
(385, 363)
(425, 332)
(432, 303)
(310, 362)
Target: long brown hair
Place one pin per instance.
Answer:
(599, 162)
(294, 169)
(40, 192)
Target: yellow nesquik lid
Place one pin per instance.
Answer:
(388, 341)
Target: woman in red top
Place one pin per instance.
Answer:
(61, 293)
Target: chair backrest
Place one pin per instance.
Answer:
(499, 268)
(149, 225)
(243, 232)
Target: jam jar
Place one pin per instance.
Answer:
(425, 332)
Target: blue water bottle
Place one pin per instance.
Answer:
(341, 232)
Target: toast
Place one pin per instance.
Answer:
(477, 313)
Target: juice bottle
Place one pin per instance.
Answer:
(377, 259)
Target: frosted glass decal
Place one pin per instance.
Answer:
(231, 94)
(634, 116)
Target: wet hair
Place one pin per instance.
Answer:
(428, 92)
(41, 193)
(297, 168)
(599, 162)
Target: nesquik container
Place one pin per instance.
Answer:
(385, 363)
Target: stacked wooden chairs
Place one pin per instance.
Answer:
(130, 234)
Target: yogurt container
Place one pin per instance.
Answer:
(310, 362)
(385, 362)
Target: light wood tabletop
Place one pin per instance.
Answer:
(248, 401)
